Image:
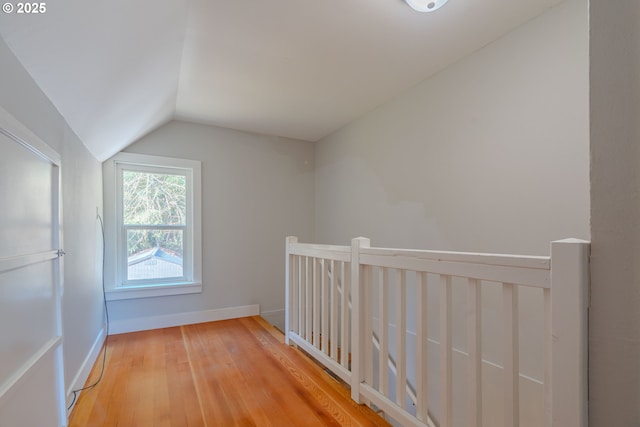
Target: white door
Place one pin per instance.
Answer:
(31, 371)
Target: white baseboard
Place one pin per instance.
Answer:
(85, 369)
(275, 317)
(179, 319)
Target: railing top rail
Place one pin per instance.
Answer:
(338, 253)
(489, 259)
(498, 260)
(315, 246)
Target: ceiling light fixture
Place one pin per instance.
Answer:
(426, 5)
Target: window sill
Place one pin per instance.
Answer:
(148, 291)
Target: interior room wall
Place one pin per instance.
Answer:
(256, 191)
(614, 317)
(81, 195)
(491, 154)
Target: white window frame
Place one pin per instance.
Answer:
(117, 285)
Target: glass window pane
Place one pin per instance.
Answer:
(154, 254)
(154, 198)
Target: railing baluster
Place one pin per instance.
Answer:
(383, 357)
(445, 352)
(511, 355)
(474, 344)
(368, 325)
(309, 296)
(333, 337)
(344, 318)
(401, 338)
(295, 291)
(316, 303)
(324, 338)
(301, 300)
(422, 404)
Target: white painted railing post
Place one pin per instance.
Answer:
(569, 335)
(357, 318)
(288, 294)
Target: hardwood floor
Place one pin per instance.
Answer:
(219, 374)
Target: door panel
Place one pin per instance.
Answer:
(29, 402)
(26, 215)
(31, 373)
(26, 318)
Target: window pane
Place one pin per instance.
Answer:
(154, 254)
(154, 198)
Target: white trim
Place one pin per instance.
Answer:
(14, 129)
(85, 369)
(132, 292)
(155, 161)
(192, 282)
(179, 319)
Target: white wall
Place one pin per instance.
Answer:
(256, 191)
(491, 154)
(82, 193)
(614, 320)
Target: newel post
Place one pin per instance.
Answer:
(567, 402)
(357, 317)
(288, 293)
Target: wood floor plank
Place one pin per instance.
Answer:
(233, 373)
(262, 386)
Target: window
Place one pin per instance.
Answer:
(155, 228)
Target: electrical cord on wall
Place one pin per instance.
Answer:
(106, 340)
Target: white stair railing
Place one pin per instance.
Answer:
(330, 314)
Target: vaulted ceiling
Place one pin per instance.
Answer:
(295, 68)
